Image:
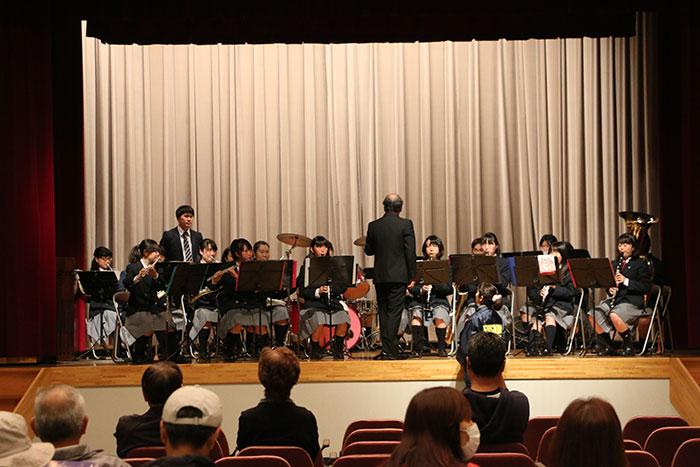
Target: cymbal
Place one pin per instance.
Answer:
(362, 241)
(294, 239)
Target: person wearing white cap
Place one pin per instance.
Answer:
(60, 419)
(189, 427)
(16, 449)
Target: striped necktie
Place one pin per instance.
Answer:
(186, 244)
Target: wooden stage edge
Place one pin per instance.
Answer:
(104, 374)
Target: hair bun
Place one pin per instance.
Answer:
(496, 297)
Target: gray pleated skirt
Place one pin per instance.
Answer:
(244, 317)
(562, 317)
(109, 324)
(279, 313)
(201, 317)
(439, 312)
(629, 313)
(311, 318)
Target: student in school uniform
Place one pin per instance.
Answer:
(240, 309)
(101, 310)
(622, 310)
(322, 308)
(206, 312)
(489, 242)
(429, 304)
(274, 302)
(143, 282)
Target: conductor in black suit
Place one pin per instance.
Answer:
(182, 243)
(393, 243)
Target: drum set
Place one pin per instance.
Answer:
(360, 303)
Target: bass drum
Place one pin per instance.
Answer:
(353, 332)
(294, 307)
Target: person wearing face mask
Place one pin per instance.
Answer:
(502, 415)
(438, 431)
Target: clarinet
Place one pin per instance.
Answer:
(617, 288)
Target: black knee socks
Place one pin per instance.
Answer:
(280, 334)
(441, 334)
(550, 333)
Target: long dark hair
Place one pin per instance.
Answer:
(431, 433)
(586, 423)
(490, 237)
(237, 247)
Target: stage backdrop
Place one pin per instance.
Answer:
(516, 137)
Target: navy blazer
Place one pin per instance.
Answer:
(393, 243)
(637, 271)
(173, 246)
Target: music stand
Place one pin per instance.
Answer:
(431, 272)
(591, 273)
(526, 273)
(175, 272)
(98, 286)
(473, 269)
(264, 276)
(511, 255)
(333, 271)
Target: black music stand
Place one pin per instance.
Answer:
(333, 271)
(176, 272)
(431, 272)
(99, 286)
(526, 271)
(591, 273)
(473, 269)
(263, 276)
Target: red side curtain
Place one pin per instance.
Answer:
(27, 319)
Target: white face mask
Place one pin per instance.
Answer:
(469, 449)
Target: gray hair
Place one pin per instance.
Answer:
(58, 413)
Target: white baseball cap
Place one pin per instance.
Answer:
(198, 397)
(15, 446)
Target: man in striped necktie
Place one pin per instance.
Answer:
(182, 243)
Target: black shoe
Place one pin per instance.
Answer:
(628, 350)
(531, 351)
(316, 353)
(442, 353)
(546, 351)
(386, 356)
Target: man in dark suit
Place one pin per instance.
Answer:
(393, 243)
(276, 420)
(157, 383)
(182, 243)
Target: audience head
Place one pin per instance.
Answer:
(488, 296)
(546, 242)
(185, 217)
(101, 258)
(191, 421)
(392, 203)
(433, 244)
(486, 355)
(477, 248)
(159, 381)
(489, 242)
(588, 433)
(438, 430)
(59, 415)
(15, 446)
(278, 371)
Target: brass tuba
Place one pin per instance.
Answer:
(638, 224)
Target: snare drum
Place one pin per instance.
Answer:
(354, 330)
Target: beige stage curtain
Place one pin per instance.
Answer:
(520, 138)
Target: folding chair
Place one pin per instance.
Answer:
(631, 445)
(543, 451)
(579, 317)
(654, 320)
